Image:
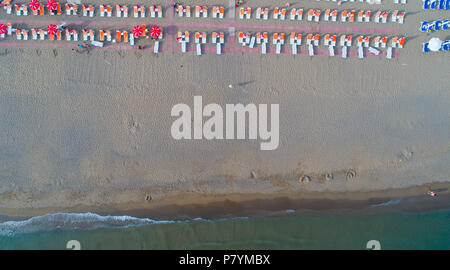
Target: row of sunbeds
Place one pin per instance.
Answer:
(434, 26)
(312, 40)
(445, 46)
(138, 11)
(380, 16)
(436, 4)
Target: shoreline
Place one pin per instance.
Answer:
(213, 207)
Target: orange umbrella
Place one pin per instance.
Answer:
(2, 29)
(51, 4)
(137, 31)
(155, 31)
(51, 29)
(34, 4)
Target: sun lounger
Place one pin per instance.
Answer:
(344, 16)
(139, 11)
(331, 50)
(34, 34)
(351, 16)
(201, 11)
(310, 14)
(317, 13)
(8, 8)
(344, 52)
(389, 53)
(360, 52)
(334, 14)
(374, 51)
(42, 34)
(311, 50)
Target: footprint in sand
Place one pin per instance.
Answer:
(133, 125)
(38, 52)
(305, 179)
(351, 174)
(55, 52)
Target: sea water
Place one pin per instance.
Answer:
(429, 230)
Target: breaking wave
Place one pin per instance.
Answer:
(72, 221)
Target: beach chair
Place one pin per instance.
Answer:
(394, 42)
(139, 11)
(69, 34)
(351, 16)
(297, 14)
(118, 36)
(331, 50)
(101, 35)
(34, 34)
(360, 16)
(125, 36)
(360, 52)
(311, 50)
(326, 40)
(327, 15)
(384, 41)
(276, 13)
(334, 14)
(374, 51)
(309, 39)
(389, 53)
(310, 14)
(85, 34)
(401, 42)
(394, 16)
(265, 14)
(42, 34)
(201, 11)
(344, 16)
(156, 47)
(8, 8)
(401, 17)
(445, 24)
(316, 39)
(317, 13)
(425, 48)
(283, 13)
(344, 52)
(342, 40)
(384, 16)
(377, 17)
(367, 16)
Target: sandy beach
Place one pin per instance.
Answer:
(91, 131)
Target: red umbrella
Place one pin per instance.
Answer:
(155, 31)
(137, 31)
(51, 29)
(51, 5)
(34, 4)
(2, 29)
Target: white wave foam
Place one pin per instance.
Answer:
(71, 221)
(390, 202)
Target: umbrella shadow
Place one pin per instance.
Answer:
(245, 83)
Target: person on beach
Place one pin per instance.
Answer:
(431, 193)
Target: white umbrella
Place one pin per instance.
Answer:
(434, 44)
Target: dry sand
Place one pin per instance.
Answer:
(81, 131)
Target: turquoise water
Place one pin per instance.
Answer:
(429, 230)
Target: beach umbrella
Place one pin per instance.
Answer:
(137, 31)
(2, 29)
(34, 4)
(435, 44)
(51, 29)
(155, 31)
(51, 5)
